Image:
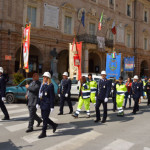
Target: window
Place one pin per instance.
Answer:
(31, 15)
(145, 16)
(94, 1)
(128, 40)
(92, 29)
(111, 36)
(68, 25)
(129, 10)
(111, 2)
(145, 43)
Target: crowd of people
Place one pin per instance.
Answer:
(42, 95)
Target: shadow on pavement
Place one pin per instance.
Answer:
(9, 145)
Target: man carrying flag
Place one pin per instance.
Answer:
(100, 22)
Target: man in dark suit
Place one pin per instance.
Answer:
(3, 94)
(137, 92)
(64, 93)
(102, 95)
(32, 97)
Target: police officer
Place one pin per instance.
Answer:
(93, 87)
(64, 93)
(113, 92)
(102, 95)
(137, 92)
(144, 86)
(32, 97)
(148, 91)
(2, 95)
(84, 97)
(47, 97)
(120, 94)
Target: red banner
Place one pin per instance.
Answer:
(26, 46)
(79, 50)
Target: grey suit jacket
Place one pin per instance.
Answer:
(33, 92)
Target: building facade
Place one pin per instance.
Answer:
(54, 24)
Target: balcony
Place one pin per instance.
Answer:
(92, 39)
(109, 43)
(87, 38)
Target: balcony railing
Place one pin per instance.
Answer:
(86, 38)
(109, 43)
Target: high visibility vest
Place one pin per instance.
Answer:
(121, 89)
(85, 90)
(144, 83)
(93, 86)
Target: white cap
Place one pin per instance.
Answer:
(65, 74)
(1, 69)
(47, 74)
(103, 72)
(136, 77)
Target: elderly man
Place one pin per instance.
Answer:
(2, 94)
(32, 96)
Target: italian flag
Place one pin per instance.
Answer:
(114, 55)
(100, 22)
(113, 28)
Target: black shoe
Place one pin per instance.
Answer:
(6, 118)
(75, 115)
(29, 130)
(97, 120)
(38, 124)
(55, 127)
(42, 135)
(88, 116)
(103, 121)
(60, 114)
(70, 112)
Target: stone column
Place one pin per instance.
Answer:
(86, 61)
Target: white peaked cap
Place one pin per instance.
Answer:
(65, 74)
(47, 74)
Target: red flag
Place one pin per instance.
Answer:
(113, 28)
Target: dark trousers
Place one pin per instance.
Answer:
(148, 96)
(98, 104)
(114, 103)
(136, 105)
(3, 108)
(46, 120)
(126, 98)
(62, 101)
(33, 116)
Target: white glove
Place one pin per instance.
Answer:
(106, 100)
(40, 95)
(52, 109)
(129, 96)
(37, 106)
(95, 97)
(66, 95)
(112, 91)
(141, 97)
(3, 99)
(58, 95)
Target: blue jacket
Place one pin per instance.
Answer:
(65, 87)
(48, 96)
(2, 86)
(136, 90)
(103, 89)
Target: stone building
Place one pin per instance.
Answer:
(54, 23)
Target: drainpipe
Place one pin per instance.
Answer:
(135, 55)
